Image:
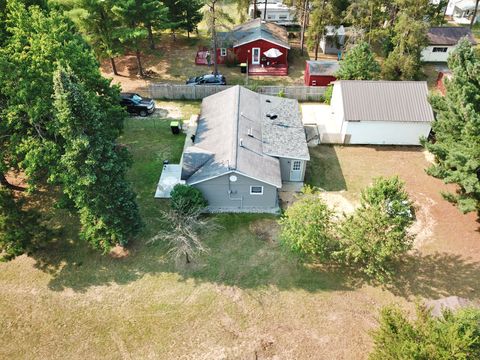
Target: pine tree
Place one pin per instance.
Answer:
(93, 166)
(457, 129)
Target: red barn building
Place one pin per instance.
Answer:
(262, 45)
(320, 73)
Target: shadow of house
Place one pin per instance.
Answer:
(324, 169)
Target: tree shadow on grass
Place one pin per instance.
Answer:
(237, 257)
(435, 276)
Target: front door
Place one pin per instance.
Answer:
(296, 170)
(255, 55)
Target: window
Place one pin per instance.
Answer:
(270, 17)
(223, 52)
(282, 17)
(256, 190)
(440, 49)
(297, 165)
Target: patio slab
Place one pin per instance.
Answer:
(171, 176)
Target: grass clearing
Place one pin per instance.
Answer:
(245, 299)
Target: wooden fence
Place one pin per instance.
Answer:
(192, 92)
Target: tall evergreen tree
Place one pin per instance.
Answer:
(457, 129)
(92, 167)
(359, 64)
(99, 24)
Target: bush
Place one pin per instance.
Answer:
(375, 235)
(452, 336)
(307, 227)
(186, 199)
(370, 240)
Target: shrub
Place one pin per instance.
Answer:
(186, 199)
(452, 336)
(375, 235)
(307, 227)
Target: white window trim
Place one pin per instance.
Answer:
(223, 51)
(256, 193)
(259, 56)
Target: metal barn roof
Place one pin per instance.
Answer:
(402, 101)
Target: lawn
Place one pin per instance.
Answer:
(245, 299)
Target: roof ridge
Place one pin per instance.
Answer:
(236, 116)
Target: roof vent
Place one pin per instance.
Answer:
(268, 100)
(250, 132)
(272, 116)
(241, 142)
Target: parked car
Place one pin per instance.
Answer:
(208, 79)
(135, 104)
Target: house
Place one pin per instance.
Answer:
(246, 147)
(333, 40)
(276, 12)
(464, 11)
(443, 40)
(262, 45)
(320, 73)
(381, 112)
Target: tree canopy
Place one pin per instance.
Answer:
(359, 64)
(456, 144)
(454, 335)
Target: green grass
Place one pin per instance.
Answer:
(246, 297)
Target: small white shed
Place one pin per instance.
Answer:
(382, 112)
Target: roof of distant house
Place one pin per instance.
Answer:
(327, 68)
(398, 101)
(449, 35)
(252, 30)
(242, 131)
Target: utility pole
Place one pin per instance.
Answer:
(474, 16)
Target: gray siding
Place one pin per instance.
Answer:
(216, 191)
(285, 166)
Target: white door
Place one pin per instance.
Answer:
(296, 170)
(255, 55)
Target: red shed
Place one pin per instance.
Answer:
(262, 45)
(442, 75)
(320, 73)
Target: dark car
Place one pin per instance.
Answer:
(209, 79)
(135, 104)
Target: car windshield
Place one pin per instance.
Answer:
(198, 78)
(136, 98)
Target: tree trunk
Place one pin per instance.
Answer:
(317, 43)
(114, 66)
(304, 25)
(214, 35)
(150, 37)
(188, 34)
(474, 16)
(255, 8)
(139, 63)
(187, 257)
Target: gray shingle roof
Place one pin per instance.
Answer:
(254, 30)
(449, 35)
(234, 130)
(328, 68)
(403, 101)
